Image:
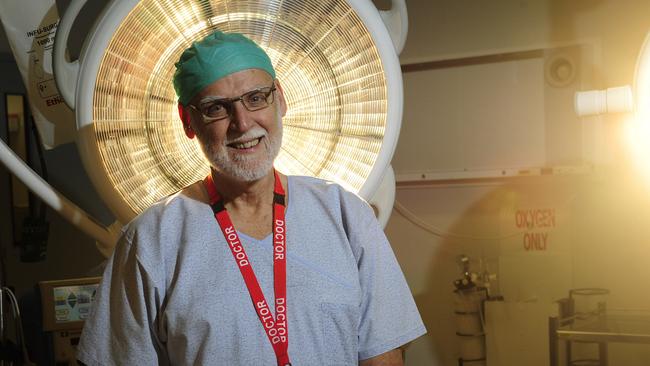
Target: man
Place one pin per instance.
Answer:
(248, 267)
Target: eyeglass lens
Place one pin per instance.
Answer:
(253, 100)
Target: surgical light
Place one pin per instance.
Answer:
(336, 60)
(626, 98)
(639, 126)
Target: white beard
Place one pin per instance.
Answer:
(240, 166)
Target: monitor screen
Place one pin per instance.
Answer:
(72, 303)
(66, 304)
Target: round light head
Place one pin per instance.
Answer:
(335, 60)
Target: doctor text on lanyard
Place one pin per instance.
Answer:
(275, 328)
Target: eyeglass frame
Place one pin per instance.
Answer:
(229, 103)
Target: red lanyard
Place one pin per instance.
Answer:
(275, 328)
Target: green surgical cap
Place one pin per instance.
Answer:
(215, 56)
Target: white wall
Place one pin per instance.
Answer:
(600, 237)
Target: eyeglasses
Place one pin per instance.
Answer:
(220, 108)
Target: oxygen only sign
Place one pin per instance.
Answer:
(537, 224)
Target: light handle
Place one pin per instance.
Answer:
(611, 100)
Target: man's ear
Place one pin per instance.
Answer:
(186, 118)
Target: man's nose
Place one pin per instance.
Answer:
(240, 117)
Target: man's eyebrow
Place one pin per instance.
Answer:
(212, 98)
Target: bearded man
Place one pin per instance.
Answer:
(248, 266)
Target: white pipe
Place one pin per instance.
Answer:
(54, 199)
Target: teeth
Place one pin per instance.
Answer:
(247, 145)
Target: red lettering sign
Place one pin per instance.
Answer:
(531, 219)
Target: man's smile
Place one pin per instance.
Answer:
(242, 145)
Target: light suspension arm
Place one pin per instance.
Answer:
(66, 73)
(54, 199)
(396, 21)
